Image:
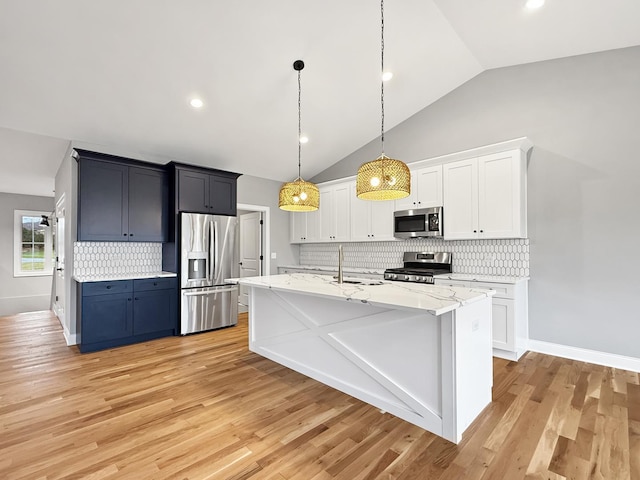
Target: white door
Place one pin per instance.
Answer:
(461, 200)
(498, 195)
(250, 253)
(58, 300)
(342, 212)
(381, 220)
(429, 183)
(360, 228)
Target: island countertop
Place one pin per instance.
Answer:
(431, 298)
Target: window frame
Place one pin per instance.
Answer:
(17, 245)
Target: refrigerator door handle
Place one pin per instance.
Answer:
(209, 292)
(212, 258)
(215, 252)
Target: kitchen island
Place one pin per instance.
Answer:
(420, 352)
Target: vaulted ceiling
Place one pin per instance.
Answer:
(119, 75)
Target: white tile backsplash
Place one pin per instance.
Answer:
(116, 258)
(508, 257)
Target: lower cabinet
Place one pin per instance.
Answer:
(510, 324)
(126, 311)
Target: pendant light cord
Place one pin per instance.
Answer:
(381, 73)
(299, 124)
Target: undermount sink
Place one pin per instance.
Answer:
(359, 281)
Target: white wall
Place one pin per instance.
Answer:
(259, 191)
(66, 184)
(21, 294)
(582, 114)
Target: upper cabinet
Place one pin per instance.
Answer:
(119, 200)
(426, 189)
(486, 197)
(370, 221)
(305, 227)
(200, 191)
(334, 212)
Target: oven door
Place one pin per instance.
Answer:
(421, 222)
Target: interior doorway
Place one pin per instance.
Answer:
(59, 272)
(253, 246)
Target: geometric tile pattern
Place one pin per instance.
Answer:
(504, 257)
(116, 258)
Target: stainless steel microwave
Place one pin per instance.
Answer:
(417, 223)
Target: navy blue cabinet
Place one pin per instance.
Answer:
(202, 192)
(155, 305)
(119, 200)
(126, 311)
(103, 201)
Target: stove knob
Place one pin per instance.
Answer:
(405, 277)
(393, 276)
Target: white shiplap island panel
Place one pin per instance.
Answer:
(420, 352)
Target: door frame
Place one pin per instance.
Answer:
(266, 236)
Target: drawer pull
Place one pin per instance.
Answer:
(108, 287)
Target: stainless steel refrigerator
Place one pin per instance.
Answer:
(208, 255)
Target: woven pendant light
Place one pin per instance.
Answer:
(383, 178)
(299, 195)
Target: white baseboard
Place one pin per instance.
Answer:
(71, 339)
(582, 354)
(27, 303)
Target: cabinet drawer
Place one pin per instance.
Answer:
(145, 284)
(503, 290)
(106, 288)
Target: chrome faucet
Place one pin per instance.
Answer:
(340, 260)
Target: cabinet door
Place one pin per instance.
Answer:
(503, 323)
(154, 311)
(148, 205)
(313, 226)
(193, 191)
(411, 201)
(103, 191)
(106, 317)
(499, 196)
(381, 220)
(334, 213)
(222, 195)
(341, 212)
(326, 214)
(429, 183)
(298, 222)
(360, 217)
(461, 200)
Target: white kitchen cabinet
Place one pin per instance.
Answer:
(426, 189)
(370, 221)
(510, 317)
(334, 212)
(486, 197)
(304, 227)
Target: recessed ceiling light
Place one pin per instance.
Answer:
(196, 103)
(304, 139)
(533, 4)
(386, 76)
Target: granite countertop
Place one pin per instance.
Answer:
(326, 268)
(472, 277)
(115, 277)
(433, 299)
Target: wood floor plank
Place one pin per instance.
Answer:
(205, 407)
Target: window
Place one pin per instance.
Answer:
(33, 245)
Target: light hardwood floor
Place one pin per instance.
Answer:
(204, 407)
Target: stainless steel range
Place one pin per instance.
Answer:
(420, 267)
